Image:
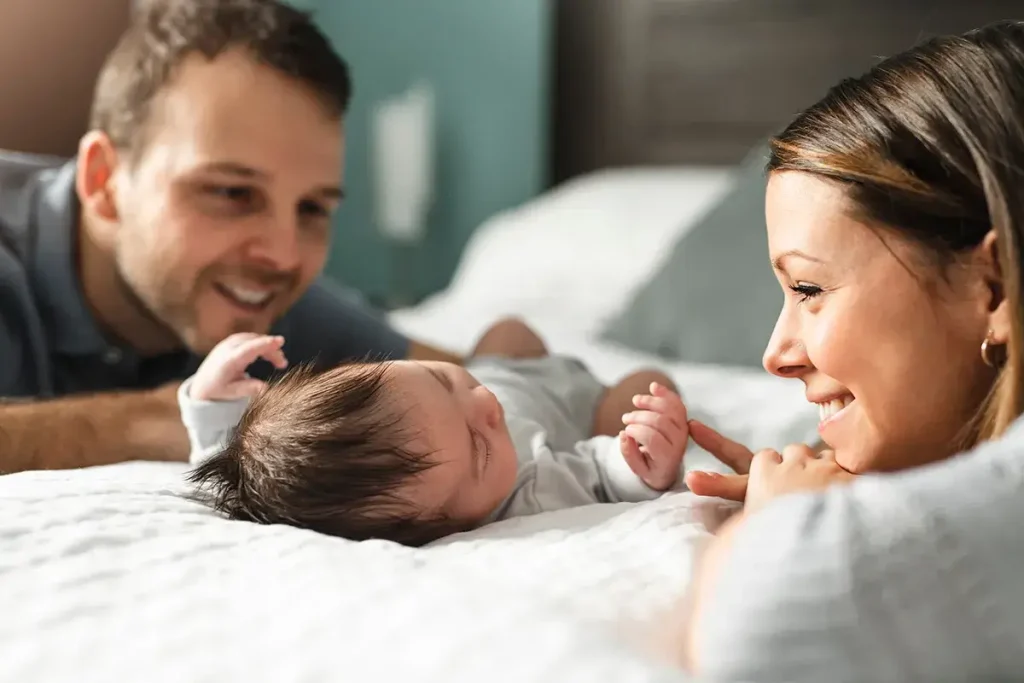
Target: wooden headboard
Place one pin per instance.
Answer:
(694, 82)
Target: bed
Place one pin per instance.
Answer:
(113, 574)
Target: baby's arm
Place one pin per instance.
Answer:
(644, 461)
(214, 399)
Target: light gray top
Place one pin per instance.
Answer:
(911, 577)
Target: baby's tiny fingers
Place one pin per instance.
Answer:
(246, 388)
(651, 439)
(658, 421)
(673, 398)
(277, 359)
(657, 404)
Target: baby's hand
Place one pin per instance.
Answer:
(222, 375)
(655, 437)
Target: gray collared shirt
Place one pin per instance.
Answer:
(50, 343)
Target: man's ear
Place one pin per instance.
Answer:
(96, 171)
(998, 310)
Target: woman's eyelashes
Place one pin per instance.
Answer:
(805, 290)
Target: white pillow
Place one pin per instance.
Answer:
(579, 250)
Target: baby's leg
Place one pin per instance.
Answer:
(510, 338)
(618, 400)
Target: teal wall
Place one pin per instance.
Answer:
(488, 62)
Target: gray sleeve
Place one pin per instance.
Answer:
(555, 480)
(599, 459)
(209, 423)
(910, 577)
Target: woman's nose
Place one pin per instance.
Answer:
(785, 355)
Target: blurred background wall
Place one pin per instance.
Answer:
(488, 63)
(50, 53)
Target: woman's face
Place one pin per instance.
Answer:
(887, 344)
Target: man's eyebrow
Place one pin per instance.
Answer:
(236, 169)
(329, 192)
(778, 261)
(443, 379)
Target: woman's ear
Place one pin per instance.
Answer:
(95, 176)
(998, 306)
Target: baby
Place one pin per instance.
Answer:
(413, 451)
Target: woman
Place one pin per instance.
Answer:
(895, 211)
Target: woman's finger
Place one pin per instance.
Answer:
(798, 451)
(735, 455)
(729, 486)
(767, 455)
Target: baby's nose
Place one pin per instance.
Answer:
(492, 411)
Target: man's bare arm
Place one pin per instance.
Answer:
(98, 429)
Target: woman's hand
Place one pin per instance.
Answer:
(735, 455)
(764, 475)
(797, 468)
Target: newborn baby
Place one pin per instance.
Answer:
(412, 451)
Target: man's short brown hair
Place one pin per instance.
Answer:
(163, 33)
(328, 451)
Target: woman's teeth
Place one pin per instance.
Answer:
(830, 408)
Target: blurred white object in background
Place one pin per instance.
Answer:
(402, 162)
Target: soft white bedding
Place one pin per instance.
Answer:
(111, 574)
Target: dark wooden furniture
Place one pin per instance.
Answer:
(642, 82)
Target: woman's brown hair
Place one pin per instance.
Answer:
(930, 143)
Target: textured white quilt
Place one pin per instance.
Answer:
(111, 575)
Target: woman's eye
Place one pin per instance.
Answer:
(805, 291)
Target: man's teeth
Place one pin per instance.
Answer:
(251, 297)
(830, 408)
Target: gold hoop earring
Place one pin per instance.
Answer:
(986, 348)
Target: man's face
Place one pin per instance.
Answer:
(225, 216)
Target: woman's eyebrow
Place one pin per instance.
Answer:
(778, 263)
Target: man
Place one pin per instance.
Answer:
(199, 205)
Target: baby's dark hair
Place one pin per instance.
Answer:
(326, 451)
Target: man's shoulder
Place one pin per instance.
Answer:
(21, 177)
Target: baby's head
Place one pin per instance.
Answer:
(405, 451)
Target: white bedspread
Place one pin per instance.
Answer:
(110, 575)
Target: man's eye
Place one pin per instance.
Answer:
(312, 209)
(237, 194)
